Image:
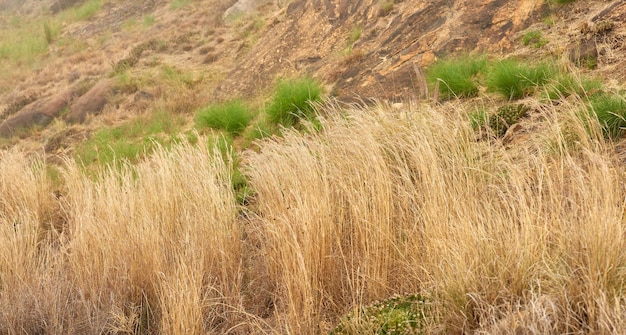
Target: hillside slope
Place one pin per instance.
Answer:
(363, 49)
(312, 167)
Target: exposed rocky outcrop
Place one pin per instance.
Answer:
(91, 102)
(38, 113)
(382, 61)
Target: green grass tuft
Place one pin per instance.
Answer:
(515, 80)
(534, 38)
(610, 110)
(233, 117)
(128, 142)
(292, 101)
(457, 76)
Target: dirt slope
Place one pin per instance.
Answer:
(360, 49)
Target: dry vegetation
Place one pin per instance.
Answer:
(526, 239)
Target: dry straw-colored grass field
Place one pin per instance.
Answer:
(522, 239)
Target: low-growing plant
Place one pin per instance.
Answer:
(566, 84)
(130, 141)
(515, 80)
(232, 116)
(505, 117)
(148, 20)
(176, 4)
(385, 6)
(610, 111)
(292, 101)
(478, 118)
(534, 38)
(224, 145)
(396, 316)
(457, 77)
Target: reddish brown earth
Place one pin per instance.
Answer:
(384, 59)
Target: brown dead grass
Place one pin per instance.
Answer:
(526, 239)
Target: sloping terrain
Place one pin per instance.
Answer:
(312, 167)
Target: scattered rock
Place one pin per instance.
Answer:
(38, 113)
(91, 102)
(583, 53)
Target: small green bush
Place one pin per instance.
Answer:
(396, 316)
(292, 101)
(610, 110)
(232, 116)
(515, 80)
(457, 76)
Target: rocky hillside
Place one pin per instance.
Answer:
(71, 67)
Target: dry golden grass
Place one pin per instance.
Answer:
(527, 239)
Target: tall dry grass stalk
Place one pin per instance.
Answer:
(526, 238)
(150, 248)
(502, 239)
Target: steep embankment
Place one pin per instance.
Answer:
(181, 55)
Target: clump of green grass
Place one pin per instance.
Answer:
(566, 84)
(457, 76)
(128, 142)
(385, 7)
(176, 4)
(534, 38)
(232, 116)
(478, 118)
(515, 80)
(396, 316)
(292, 101)
(148, 20)
(223, 144)
(86, 10)
(610, 110)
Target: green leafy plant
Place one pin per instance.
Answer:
(515, 80)
(292, 101)
(610, 110)
(395, 316)
(534, 38)
(457, 77)
(232, 116)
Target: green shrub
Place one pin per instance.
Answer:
(396, 316)
(232, 116)
(292, 101)
(534, 38)
(610, 110)
(515, 80)
(457, 76)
